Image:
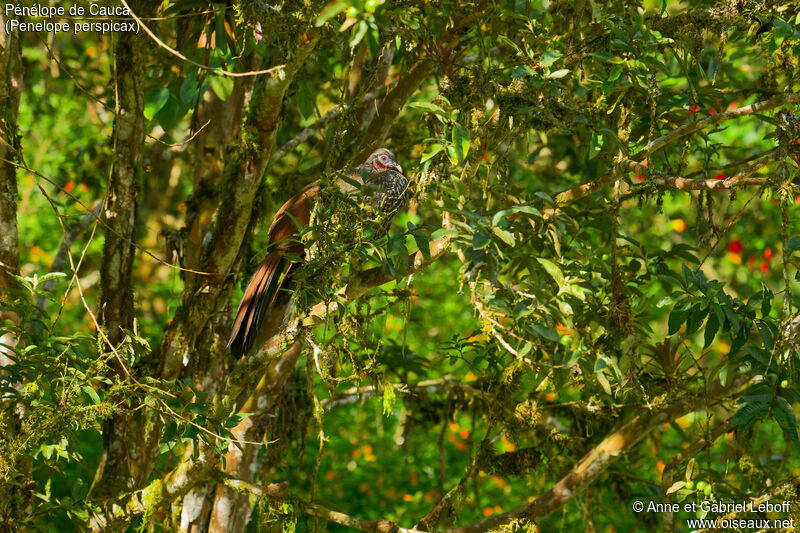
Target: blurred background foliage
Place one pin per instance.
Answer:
(552, 319)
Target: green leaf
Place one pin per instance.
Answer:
(523, 71)
(330, 11)
(558, 74)
(712, 326)
(724, 374)
(516, 209)
(752, 412)
(506, 236)
(452, 154)
(221, 85)
(427, 106)
(766, 334)
(552, 269)
(691, 469)
(766, 302)
(784, 415)
(305, 99)
(550, 57)
(91, 393)
(422, 244)
(615, 72)
(688, 276)
(676, 319)
(480, 240)
(189, 90)
(236, 419)
(546, 332)
(154, 101)
(461, 141)
(431, 151)
(170, 113)
(603, 380)
(509, 42)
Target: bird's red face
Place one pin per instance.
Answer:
(385, 162)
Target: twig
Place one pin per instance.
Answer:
(58, 261)
(100, 219)
(177, 54)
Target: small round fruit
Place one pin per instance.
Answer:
(371, 4)
(784, 383)
(701, 486)
(352, 11)
(690, 485)
(707, 490)
(566, 340)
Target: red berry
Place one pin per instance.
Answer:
(712, 111)
(735, 247)
(721, 176)
(693, 108)
(764, 268)
(639, 177)
(751, 261)
(767, 254)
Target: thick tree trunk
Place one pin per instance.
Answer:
(15, 494)
(243, 172)
(126, 465)
(10, 79)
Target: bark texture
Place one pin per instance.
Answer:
(126, 463)
(15, 494)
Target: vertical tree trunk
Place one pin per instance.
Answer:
(125, 466)
(10, 80)
(16, 495)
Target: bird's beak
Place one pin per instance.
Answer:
(397, 167)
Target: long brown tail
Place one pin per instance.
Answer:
(259, 297)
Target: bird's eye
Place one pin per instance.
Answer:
(384, 158)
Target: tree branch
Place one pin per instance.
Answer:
(597, 461)
(613, 175)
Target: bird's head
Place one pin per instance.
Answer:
(383, 159)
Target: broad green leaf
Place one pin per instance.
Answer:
(221, 85)
(431, 151)
(712, 326)
(427, 106)
(422, 244)
(91, 393)
(550, 57)
(546, 332)
(552, 269)
(558, 74)
(461, 141)
(480, 240)
(506, 236)
(154, 101)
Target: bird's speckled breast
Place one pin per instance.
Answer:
(393, 192)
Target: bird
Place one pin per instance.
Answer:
(384, 179)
